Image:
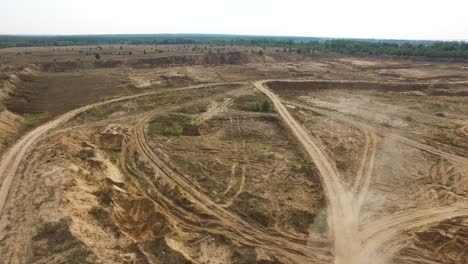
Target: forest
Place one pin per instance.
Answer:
(441, 49)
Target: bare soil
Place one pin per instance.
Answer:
(356, 160)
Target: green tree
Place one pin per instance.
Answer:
(266, 105)
(97, 56)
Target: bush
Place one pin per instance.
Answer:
(254, 103)
(98, 110)
(266, 105)
(170, 125)
(173, 130)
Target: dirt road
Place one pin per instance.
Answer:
(12, 159)
(223, 221)
(352, 244)
(341, 201)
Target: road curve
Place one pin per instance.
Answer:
(344, 213)
(360, 246)
(12, 158)
(231, 224)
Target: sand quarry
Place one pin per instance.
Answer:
(190, 156)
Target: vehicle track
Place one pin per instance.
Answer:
(408, 141)
(229, 223)
(343, 214)
(353, 245)
(364, 175)
(12, 158)
(387, 229)
(371, 238)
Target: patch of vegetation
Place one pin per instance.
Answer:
(172, 130)
(170, 125)
(266, 105)
(99, 111)
(32, 120)
(113, 153)
(255, 104)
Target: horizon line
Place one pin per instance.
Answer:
(228, 34)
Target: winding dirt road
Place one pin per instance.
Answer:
(13, 157)
(224, 221)
(352, 244)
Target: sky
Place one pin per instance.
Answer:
(390, 19)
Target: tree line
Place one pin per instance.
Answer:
(448, 49)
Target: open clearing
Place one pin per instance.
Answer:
(188, 156)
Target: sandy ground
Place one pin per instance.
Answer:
(354, 160)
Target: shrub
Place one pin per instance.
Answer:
(256, 105)
(266, 105)
(170, 125)
(98, 110)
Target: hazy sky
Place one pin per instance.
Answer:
(400, 19)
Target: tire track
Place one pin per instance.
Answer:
(364, 176)
(408, 141)
(352, 245)
(344, 221)
(376, 235)
(12, 158)
(231, 224)
(379, 233)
